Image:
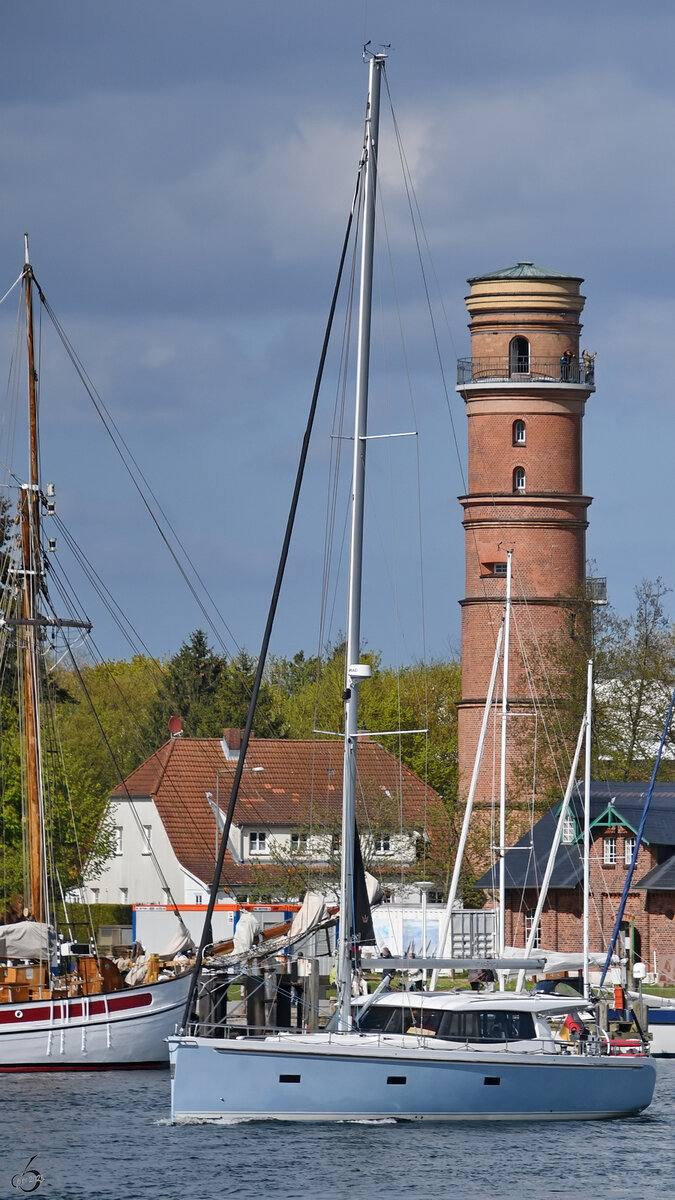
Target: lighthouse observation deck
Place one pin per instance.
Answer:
(538, 371)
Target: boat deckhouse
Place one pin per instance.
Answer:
(169, 812)
(649, 919)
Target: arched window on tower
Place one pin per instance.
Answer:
(519, 479)
(519, 435)
(519, 356)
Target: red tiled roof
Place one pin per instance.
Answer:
(284, 783)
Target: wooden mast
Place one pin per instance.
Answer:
(31, 567)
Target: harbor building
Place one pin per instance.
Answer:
(525, 389)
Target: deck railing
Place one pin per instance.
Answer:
(505, 369)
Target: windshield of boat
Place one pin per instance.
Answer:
(481, 1025)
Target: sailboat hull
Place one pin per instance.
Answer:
(114, 1030)
(361, 1077)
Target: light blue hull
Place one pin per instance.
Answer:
(352, 1078)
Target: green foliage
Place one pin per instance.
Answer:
(209, 693)
(102, 727)
(101, 914)
(633, 668)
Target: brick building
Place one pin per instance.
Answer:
(649, 917)
(525, 388)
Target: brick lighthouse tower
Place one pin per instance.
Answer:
(525, 388)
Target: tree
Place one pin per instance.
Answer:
(636, 670)
(633, 667)
(188, 690)
(233, 698)
(103, 726)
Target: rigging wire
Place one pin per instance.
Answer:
(143, 488)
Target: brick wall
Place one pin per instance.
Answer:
(544, 524)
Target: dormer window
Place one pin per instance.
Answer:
(257, 840)
(519, 479)
(519, 435)
(519, 356)
(569, 831)
(499, 569)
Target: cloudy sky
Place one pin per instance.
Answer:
(185, 174)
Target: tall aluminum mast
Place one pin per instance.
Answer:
(356, 671)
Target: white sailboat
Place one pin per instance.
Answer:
(404, 1055)
(59, 1012)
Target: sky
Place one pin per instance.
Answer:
(185, 174)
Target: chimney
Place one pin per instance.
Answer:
(231, 744)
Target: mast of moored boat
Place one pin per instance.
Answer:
(587, 829)
(502, 776)
(30, 555)
(355, 671)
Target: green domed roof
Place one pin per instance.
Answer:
(524, 270)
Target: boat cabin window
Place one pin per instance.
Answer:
(405, 1018)
(455, 1026)
(486, 1026)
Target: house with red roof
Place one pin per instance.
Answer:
(169, 812)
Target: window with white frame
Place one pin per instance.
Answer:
(628, 850)
(257, 841)
(529, 922)
(519, 479)
(519, 433)
(299, 843)
(569, 830)
(609, 851)
(95, 893)
(499, 569)
(383, 844)
(147, 839)
(124, 895)
(118, 839)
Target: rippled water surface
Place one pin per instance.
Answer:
(108, 1137)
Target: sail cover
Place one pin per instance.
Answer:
(26, 939)
(363, 933)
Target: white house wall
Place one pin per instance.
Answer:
(135, 870)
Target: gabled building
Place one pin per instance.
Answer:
(169, 812)
(649, 919)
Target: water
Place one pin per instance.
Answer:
(107, 1137)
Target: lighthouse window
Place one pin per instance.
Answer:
(519, 479)
(519, 433)
(519, 356)
(499, 569)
